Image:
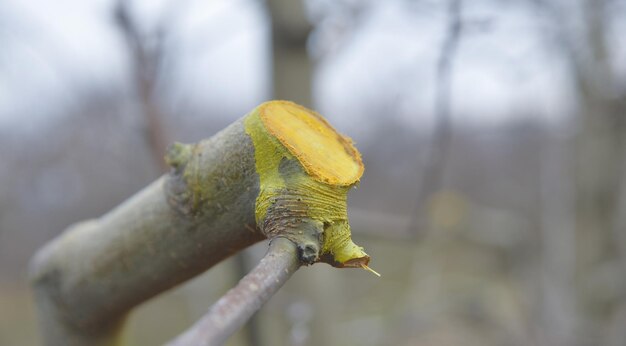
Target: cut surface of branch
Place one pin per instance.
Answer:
(304, 184)
(324, 153)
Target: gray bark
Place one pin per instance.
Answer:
(240, 303)
(87, 279)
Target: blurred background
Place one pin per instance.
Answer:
(493, 133)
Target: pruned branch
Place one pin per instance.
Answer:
(255, 179)
(232, 310)
(87, 279)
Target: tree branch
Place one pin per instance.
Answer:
(255, 179)
(232, 311)
(87, 279)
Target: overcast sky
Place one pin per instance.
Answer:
(504, 68)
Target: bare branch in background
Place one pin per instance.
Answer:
(291, 68)
(442, 134)
(232, 311)
(145, 61)
(598, 149)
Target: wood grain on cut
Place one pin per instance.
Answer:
(325, 154)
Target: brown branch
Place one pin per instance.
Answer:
(232, 311)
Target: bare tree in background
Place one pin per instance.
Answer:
(442, 134)
(291, 67)
(599, 149)
(146, 55)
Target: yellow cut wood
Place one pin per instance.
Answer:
(306, 169)
(325, 154)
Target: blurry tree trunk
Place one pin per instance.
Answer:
(599, 163)
(290, 61)
(441, 138)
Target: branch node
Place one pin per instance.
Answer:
(308, 252)
(177, 155)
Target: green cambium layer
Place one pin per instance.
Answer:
(283, 177)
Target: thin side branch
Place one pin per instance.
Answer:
(232, 311)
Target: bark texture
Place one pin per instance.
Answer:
(262, 170)
(87, 279)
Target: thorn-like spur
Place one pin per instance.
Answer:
(370, 270)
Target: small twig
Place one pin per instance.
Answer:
(442, 133)
(232, 311)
